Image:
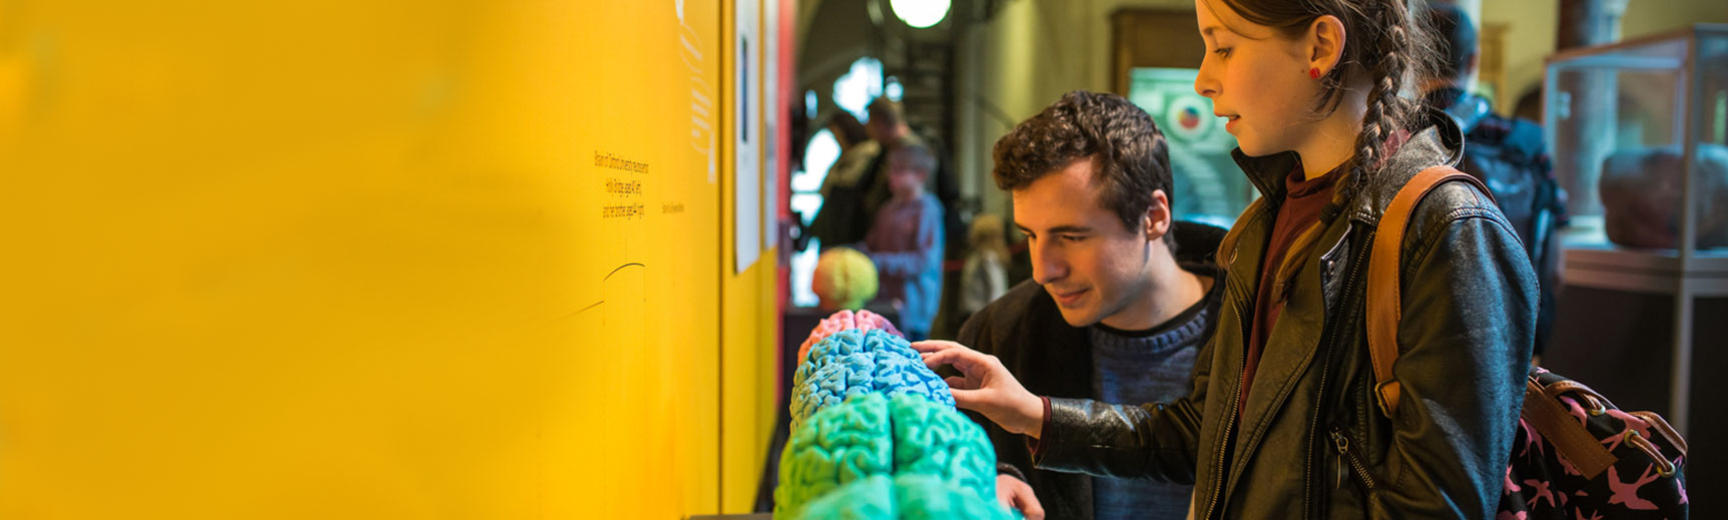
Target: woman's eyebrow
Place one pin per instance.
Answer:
(1207, 33)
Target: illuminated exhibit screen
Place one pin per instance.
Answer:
(1209, 186)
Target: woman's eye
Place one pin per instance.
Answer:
(1223, 52)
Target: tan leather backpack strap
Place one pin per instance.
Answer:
(1560, 428)
(1384, 286)
(1661, 426)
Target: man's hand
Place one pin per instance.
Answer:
(986, 387)
(1018, 495)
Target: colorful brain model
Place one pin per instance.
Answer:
(905, 497)
(871, 435)
(853, 362)
(844, 279)
(843, 320)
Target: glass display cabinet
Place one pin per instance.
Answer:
(1639, 137)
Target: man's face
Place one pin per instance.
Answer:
(1091, 264)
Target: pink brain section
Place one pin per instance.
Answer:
(862, 320)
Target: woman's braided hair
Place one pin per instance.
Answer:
(1383, 44)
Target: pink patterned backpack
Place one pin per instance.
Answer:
(1575, 455)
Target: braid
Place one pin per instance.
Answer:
(1387, 62)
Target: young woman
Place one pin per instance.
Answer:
(1284, 419)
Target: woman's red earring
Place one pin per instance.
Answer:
(1314, 72)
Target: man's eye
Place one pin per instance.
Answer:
(1223, 52)
(1073, 238)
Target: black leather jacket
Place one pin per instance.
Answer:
(1311, 440)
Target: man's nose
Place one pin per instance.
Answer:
(1048, 266)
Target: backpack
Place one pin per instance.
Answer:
(1509, 157)
(1574, 455)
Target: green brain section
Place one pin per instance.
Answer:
(905, 497)
(854, 456)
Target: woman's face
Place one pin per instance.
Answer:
(1256, 78)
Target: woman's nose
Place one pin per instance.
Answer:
(1204, 83)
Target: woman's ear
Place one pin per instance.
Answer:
(1326, 37)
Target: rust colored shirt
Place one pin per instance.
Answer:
(1303, 200)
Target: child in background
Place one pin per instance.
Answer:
(985, 276)
(905, 241)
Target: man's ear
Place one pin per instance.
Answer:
(1326, 37)
(1159, 217)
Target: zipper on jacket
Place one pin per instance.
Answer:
(1347, 461)
(1326, 338)
(1224, 439)
(1308, 506)
(1241, 368)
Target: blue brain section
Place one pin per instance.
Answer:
(872, 435)
(854, 362)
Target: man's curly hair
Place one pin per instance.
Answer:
(1130, 157)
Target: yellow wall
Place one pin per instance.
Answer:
(320, 259)
(750, 324)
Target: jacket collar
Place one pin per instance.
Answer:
(1440, 142)
(1267, 172)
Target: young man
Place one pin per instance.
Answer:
(1113, 312)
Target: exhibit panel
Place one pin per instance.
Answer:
(461, 259)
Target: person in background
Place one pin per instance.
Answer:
(841, 220)
(857, 151)
(857, 186)
(906, 240)
(1509, 155)
(985, 275)
(888, 127)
